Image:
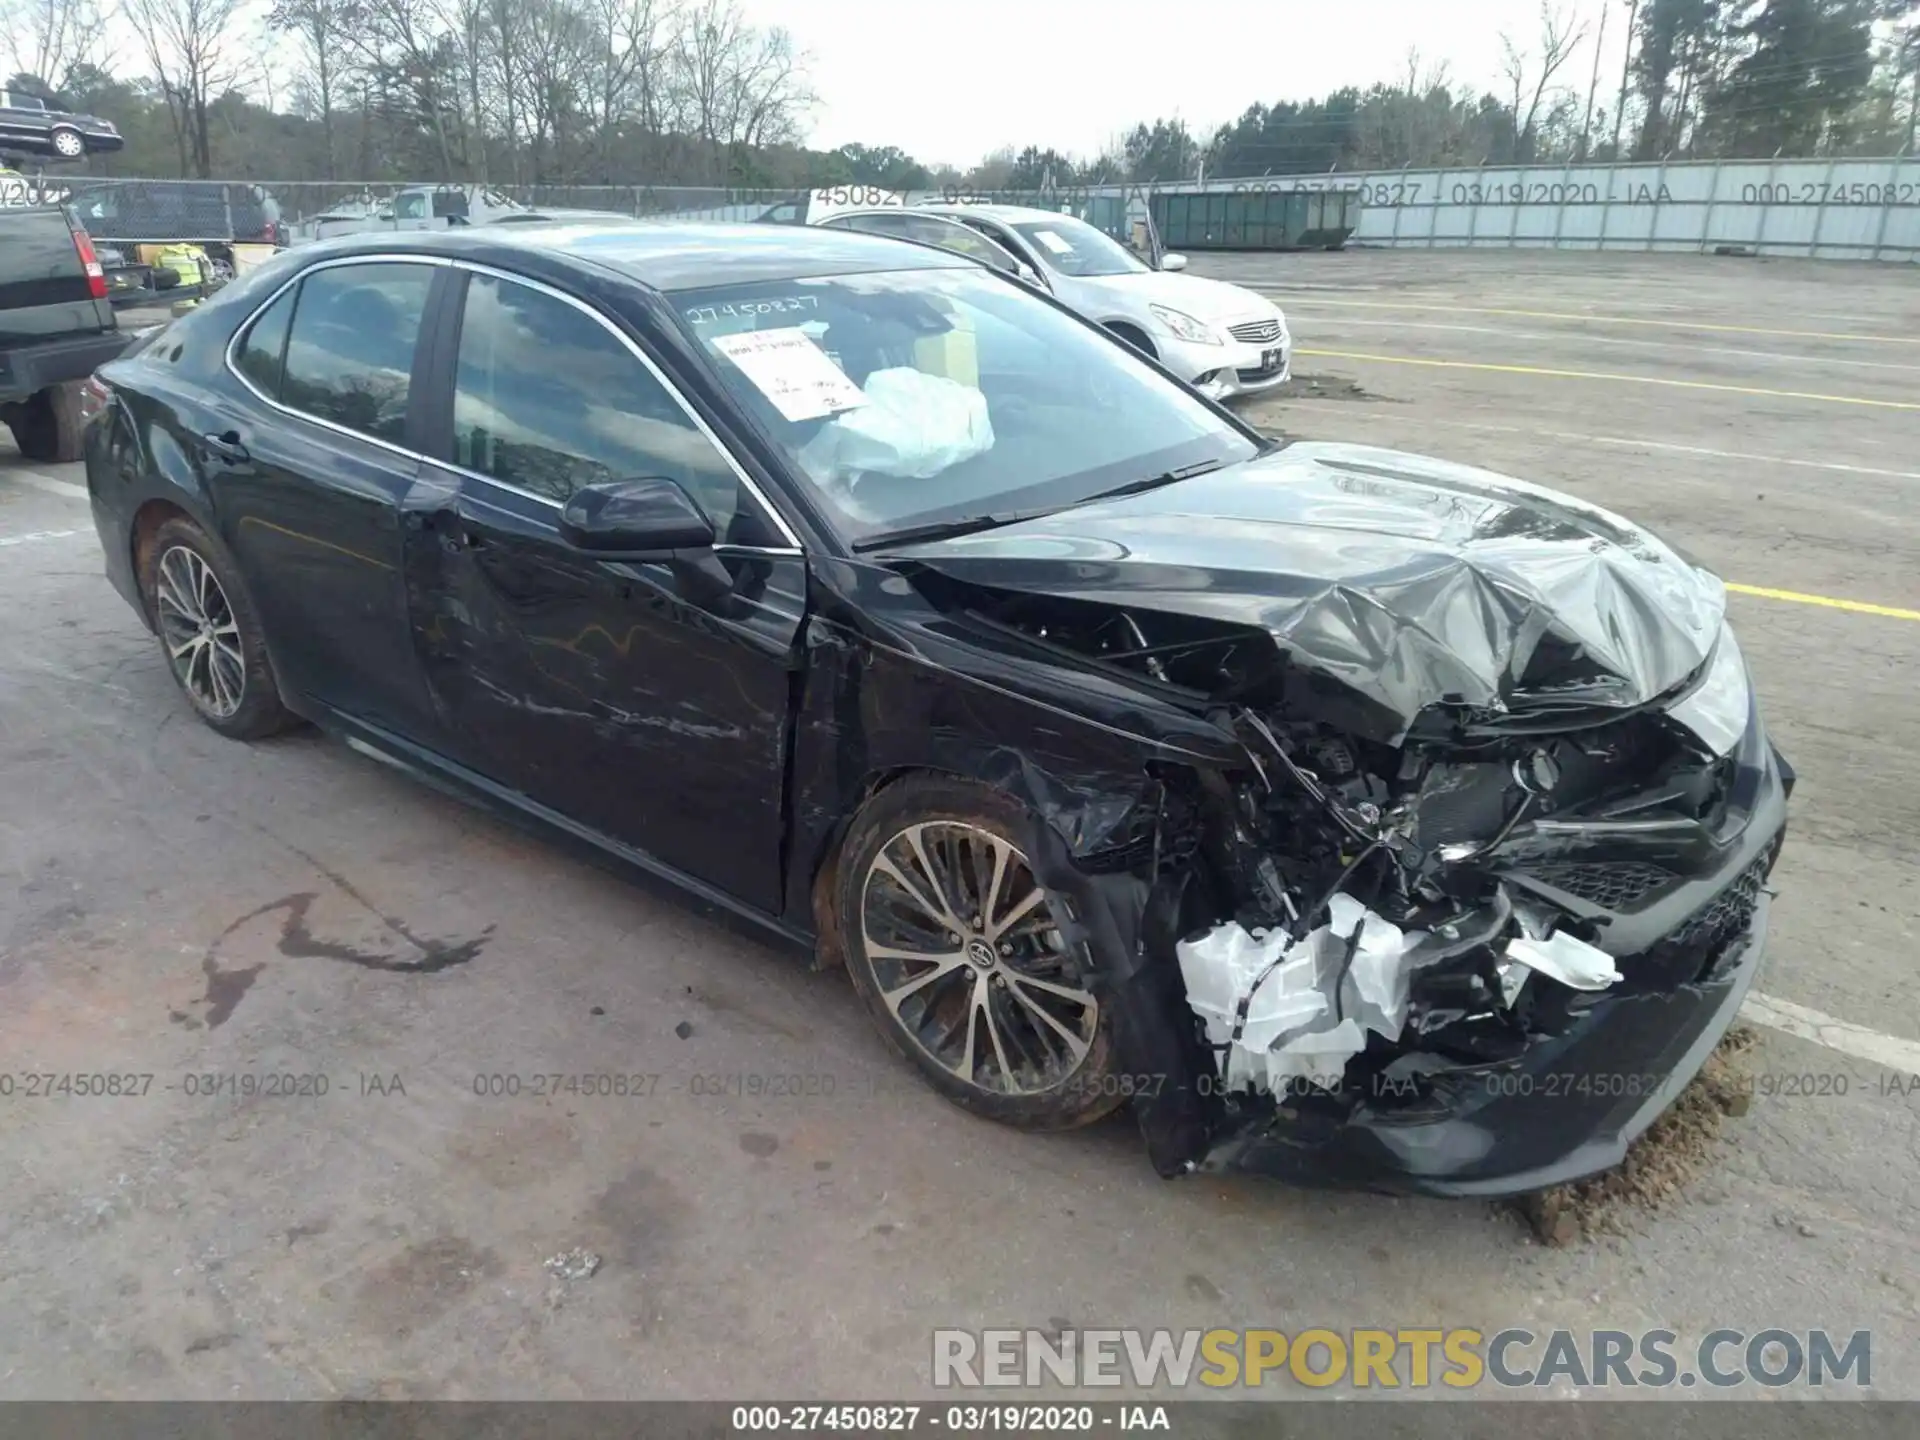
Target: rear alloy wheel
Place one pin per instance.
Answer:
(68, 145)
(958, 951)
(210, 634)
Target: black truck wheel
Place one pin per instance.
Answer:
(48, 428)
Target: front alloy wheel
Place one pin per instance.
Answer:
(68, 144)
(959, 951)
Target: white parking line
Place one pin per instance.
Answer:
(1850, 1039)
(33, 480)
(32, 535)
(1637, 443)
(1802, 358)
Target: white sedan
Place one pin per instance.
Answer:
(1224, 340)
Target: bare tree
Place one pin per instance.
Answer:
(632, 41)
(199, 50)
(48, 38)
(743, 85)
(405, 36)
(320, 27)
(559, 59)
(469, 24)
(1560, 40)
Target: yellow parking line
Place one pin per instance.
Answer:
(1309, 302)
(1622, 379)
(1860, 607)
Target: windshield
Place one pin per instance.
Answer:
(1074, 247)
(922, 397)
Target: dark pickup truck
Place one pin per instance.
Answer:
(57, 327)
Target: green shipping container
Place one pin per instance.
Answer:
(1256, 219)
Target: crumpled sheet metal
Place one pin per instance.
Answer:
(1305, 1020)
(1411, 581)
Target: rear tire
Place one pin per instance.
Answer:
(1002, 1019)
(49, 428)
(210, 633)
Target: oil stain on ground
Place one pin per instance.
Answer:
(297, 941)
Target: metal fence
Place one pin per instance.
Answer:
(1837, 209)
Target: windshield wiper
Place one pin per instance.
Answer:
(948, 529)
(944, 529)
(1154, 482)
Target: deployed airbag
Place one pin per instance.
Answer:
(912, 427)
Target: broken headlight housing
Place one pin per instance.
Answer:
(1718, 709)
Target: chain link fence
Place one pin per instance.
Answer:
(210, 212)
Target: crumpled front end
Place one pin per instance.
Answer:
(1485, 882)
(1500, 1014)
(1480, 959)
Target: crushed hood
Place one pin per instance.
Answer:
(1412, 581)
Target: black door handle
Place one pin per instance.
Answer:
(226, 448)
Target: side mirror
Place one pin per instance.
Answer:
(1031, 276)
(1173, 262)
(629, 518)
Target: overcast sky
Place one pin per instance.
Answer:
(949, 83)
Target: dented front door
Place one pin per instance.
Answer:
(644, 701)
(605, 691)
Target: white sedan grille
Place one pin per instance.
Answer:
(1256, 332)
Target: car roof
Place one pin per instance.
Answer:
(671, 255)
(997, 212)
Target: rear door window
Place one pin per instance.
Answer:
(350, 354)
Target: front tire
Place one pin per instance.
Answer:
(210, 633)
(959, 954)
(68, 144)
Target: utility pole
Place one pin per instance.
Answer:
(1626, 69)
(1593, 86)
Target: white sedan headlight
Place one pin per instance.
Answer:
(1185, 326)
(1718, 710)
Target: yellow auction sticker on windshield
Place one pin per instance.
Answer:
(792, 371)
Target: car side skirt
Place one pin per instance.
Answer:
(475, 789)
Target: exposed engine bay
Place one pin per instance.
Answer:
(1371, 915)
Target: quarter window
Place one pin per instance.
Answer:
(547, 399)
(265, 347)
(350, 355)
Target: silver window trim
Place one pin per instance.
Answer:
(246, 327)
(473, 267)
(838, 221)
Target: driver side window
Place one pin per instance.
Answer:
(546, 399)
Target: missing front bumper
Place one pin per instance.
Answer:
(1568, 1109)
(1587, 1084)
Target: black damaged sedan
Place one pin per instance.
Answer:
(1352, 816)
